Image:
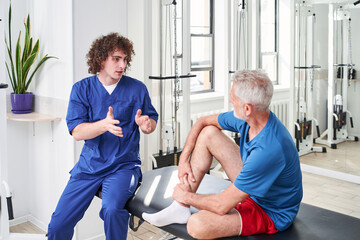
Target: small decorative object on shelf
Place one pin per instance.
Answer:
(21, 103)
(19, 67)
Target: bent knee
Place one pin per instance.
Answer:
(111, 212)
(196, 226)
(208, 131)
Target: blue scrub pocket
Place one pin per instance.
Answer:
(124, 114)
(135, 180)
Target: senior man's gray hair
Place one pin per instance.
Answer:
(253, 87)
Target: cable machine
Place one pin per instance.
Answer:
(239, 47)
(304, 77)
(340, 75)
(238, 57)
(241, 35)
(170, 129)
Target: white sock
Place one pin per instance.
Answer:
(175, 213)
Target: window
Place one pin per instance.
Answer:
(268, 38)
(202, 45)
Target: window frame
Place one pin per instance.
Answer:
(204, 69)
(276, 41)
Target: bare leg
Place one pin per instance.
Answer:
(213, 143)
(208, 225)
(210, 142)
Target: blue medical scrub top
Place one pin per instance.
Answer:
(271, 172)
(106, 153)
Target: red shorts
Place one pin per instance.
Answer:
(253, 219)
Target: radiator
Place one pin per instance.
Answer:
(281, 110)
(196, 116)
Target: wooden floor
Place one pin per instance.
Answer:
(343, 159)
(336, 195)
(26, 227)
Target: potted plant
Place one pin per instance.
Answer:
(20, 69)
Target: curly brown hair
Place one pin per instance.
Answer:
(105, 45)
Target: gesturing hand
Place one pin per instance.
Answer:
(110, 124)
(143, 121)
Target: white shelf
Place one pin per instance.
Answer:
(32, 117)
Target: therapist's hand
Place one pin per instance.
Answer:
(143, 121)
(110, 124)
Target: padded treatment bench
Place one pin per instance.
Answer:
(311, 223)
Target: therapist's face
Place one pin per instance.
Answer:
(115, 65)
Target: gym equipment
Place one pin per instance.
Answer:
(240, 44)
(304, 77)
(170, 133)
(339, 57)
(240, 33)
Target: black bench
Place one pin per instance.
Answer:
(312, 223)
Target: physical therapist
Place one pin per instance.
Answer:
(106, 110)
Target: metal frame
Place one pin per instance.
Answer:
(331, 136)
(303, 73)
(173, 132)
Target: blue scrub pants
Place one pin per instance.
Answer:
(117, 188)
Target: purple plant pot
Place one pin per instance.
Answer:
(21, 103)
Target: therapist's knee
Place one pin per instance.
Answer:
(110, 212)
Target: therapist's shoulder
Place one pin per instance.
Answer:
(133, 82)
(85, 82)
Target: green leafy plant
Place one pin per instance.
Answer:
(19, 72)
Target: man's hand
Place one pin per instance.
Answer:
(110, 124)
(181, 189)
(143, 121)
(184, 168)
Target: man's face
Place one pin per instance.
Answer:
(115, 64)
(238, 105)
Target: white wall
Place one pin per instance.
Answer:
(37, 166)
(92, 19)
(142, 63)
(3, 123)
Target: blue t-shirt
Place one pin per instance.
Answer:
(271, 172)
(106, 153)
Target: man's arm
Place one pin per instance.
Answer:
(184, 164)
(91, 130)
(220, 203)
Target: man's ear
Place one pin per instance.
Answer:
(248, 109)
